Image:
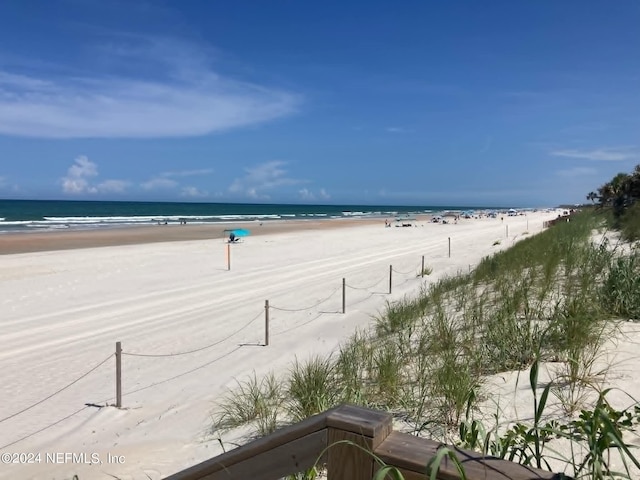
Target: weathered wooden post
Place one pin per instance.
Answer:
(266, 323)
(449, 247)
(228, 256)
(422, 271)
(390, 277)
(349, 425)
(344, 296)
(118, 375)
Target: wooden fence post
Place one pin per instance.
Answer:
(390, 277)
(449, 247)
(422, 271)
(228, 256)
(266, 323)
(344, 296)
(118, 375)
(366, 428)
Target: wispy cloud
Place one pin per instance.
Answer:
(398, 130)
(185, 98)
(169, 180)
(79, 179)
(193, 192)
(261, 178)
(577, 172)
(158, 183)
(600, 154)
(188, 173)
(114, 186)
(307, 195)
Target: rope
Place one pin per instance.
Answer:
(297, 326)
(57, 391)
(44, 428)
(306, 308)
(411, 272)
(369, 288)
(371, 294)
(406, 280)
(196, 349)
(183, 373)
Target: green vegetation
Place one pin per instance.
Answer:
(426, 271)
(552, 297)
(620, 196)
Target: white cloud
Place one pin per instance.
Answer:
(193, 192)
(113, 186)
(253, 193)
(159, 183)
(78, 178)
(188, 173)
(577, 171)
(166, 181)
(398, 130)
(185, 98)
(76, 181)
(266, 176)
(308, 195)
(599, 154)
(83, 167)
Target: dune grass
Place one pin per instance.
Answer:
(549, 298)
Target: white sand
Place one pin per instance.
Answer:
(63, 311)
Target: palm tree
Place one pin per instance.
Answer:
(634, 184)
(592, 196)
(620, 193)
(605, 194)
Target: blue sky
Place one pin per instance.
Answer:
(374, 102)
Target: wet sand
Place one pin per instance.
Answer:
(13, 243)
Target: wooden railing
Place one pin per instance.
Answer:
(332, 434)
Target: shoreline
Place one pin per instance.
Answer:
(32, 242)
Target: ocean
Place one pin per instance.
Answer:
(43, 215)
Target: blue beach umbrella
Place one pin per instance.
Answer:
(241, 232)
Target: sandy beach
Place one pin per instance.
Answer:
(188, 326)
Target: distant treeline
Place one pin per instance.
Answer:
(620, 196)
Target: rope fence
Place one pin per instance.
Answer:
(369, 287)
(411, 272)
(309, 307)
(60, 390)
(415, 273)
(199, 367)
(44, 428)
(158, 355)
(296, 326)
